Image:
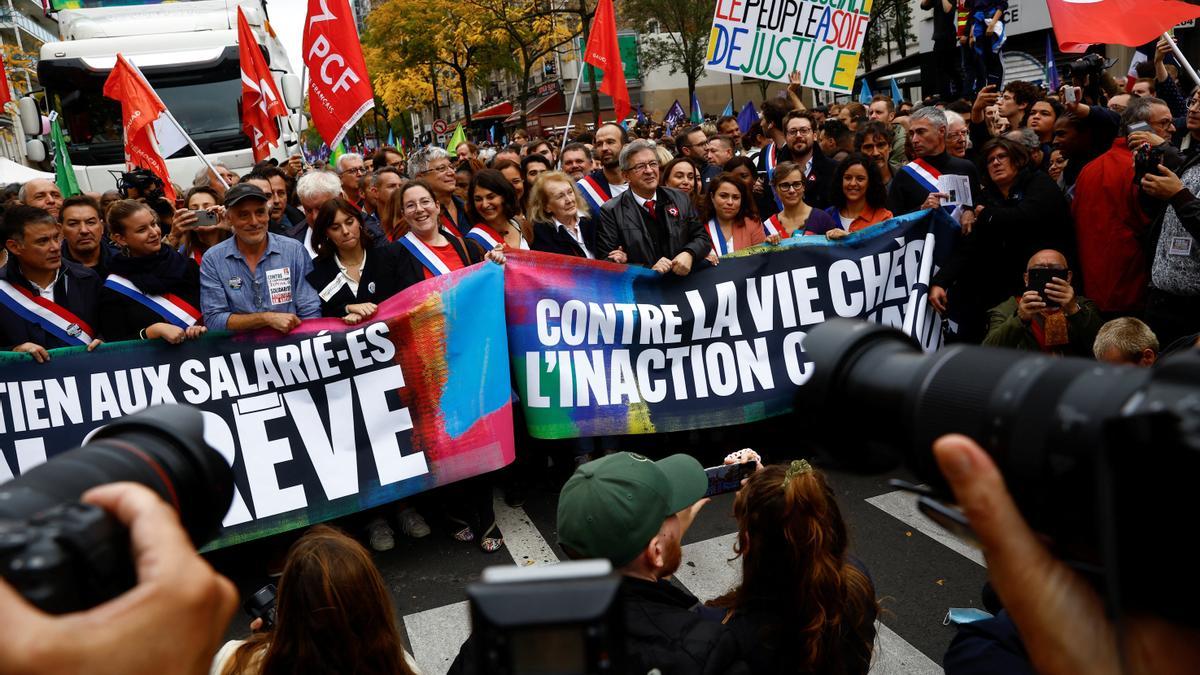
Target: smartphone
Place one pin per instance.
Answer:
(727, 477)
(205, 218)
(1139, 126)
(1039, 277)
(1069, 94)
(261, 605)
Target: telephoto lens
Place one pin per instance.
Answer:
(66, 556)
(1101, 458)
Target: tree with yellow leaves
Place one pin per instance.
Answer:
(407, 39)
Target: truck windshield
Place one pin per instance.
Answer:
(205, 100)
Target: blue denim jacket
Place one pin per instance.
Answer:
(227, 286)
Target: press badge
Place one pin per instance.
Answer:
(279, 285)
(1180, 246)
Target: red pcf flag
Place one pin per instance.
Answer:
(1079, 23)
(5, 93)
(260, 100)
(140, 106)
(339, 91)
(602, 52)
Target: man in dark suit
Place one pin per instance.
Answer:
(45, 301)
(650, 225)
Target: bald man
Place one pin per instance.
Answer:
(42, 193)
(1047, 317)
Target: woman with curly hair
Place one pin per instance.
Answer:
(804, 605)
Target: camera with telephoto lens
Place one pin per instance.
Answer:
(1103, 459)
(141, 184)
(1146, 161)
(1088, 65)
(562, 618)
(65, 556)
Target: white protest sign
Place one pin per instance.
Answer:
(769, 39)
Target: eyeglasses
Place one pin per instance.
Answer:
(791, 187)
(957, 135)
(803, 131)
(997, 158)
(445, 168)
(357, 169)
(638, 168)
(421, 205)
(1193, 104)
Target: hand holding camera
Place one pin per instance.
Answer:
(1162, 184)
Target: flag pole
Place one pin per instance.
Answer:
(171, 118)
(571, 111)
(1179, 57)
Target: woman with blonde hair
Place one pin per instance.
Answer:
(561, 222)
(333, 615)
(804, 605)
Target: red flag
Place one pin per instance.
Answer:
(339, 91)
(602, 52)
(5, 93)
(140, 106)
(1079, 23)
(261, 102)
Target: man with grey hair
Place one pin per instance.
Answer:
(433, 166)
(206, 178)
(42, 193)
(1028, 139)
(1126, 340)
(649, 224)
(351, 168)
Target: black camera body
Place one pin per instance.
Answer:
(65, 556)
(1146, 160)
(1101, 458)
(261, 605)
(140, 183)
(1088, 65)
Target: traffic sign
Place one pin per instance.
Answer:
(440, 126)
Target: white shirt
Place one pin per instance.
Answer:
(615, 190)
(47, 292)
(641, 201)
(846, 221)
(308, 242)
(577, 235)
(342, 279)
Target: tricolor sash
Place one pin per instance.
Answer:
(425, 256)
(772, 226)
(172, 308)
(720, 245)
(489, 238)
(594, 192)
(450, 225)
(52, 317)
(928, 177)
(769, 161)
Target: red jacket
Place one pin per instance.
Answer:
(1108, 222)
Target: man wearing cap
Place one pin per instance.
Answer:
(255, 279)
(634, 512)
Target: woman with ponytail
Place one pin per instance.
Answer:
(804, 606)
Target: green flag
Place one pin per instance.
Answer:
(64, 174)
(456, 139)
(337, 154)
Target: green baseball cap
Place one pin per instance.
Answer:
(613, 506)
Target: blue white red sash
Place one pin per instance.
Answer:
(594, 192)
(489, 238)
(770, 160)
(450, 225)
(52, 317)
(721, 246)
(929, 178)
(424, 255)
(772, 226)
(172, 308)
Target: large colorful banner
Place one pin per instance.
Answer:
(323, 422)
(604, 349)
(770, 39)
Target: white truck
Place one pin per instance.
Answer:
(189, 53)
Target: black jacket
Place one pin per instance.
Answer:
(410, 271)
(663, 630)
(107, 251)
(77, 290)
(817, 185)
(623, 223)
(380, 280)
(378, 238)
(549, 238)
(906, 195)
(123, 318)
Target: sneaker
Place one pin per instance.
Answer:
(381, 536)
(412, 524)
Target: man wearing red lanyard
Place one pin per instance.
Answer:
(434, 166)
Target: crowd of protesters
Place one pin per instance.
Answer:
(1076, 235)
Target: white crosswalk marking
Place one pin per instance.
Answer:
(895, 656)
(902, 506)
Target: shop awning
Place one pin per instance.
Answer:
(546, 105)
(498, 111)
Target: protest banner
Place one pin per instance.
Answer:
(320, 423)
(770, 39)
(603, 349)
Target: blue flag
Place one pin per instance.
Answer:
(641, 118)
(747, 117)
(896, 96)
(391, 138)
(697, 116)
(674, 116)
(864, 94)
(1051, 67)
(728, 111)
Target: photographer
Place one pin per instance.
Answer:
(1030, 322)
(171, 622)
(1062, 620)
(1173, 301)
